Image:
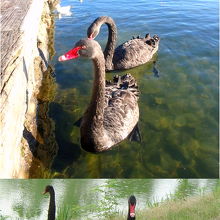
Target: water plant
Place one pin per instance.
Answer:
(64, 213)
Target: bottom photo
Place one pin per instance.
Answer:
(90, 199)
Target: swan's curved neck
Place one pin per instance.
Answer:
(94, 115)
(112, 38)
(52, 206)
(98, 91)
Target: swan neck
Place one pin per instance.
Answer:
(95, 111)
(52, 206)
(112, 38)
(110, 47)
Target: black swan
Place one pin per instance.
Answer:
(113, 111)
(52, 207)
(130, 54)
(131, 208)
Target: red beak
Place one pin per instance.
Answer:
(72, 54)
(132, 210)
(44, 192)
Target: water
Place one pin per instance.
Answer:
(23, 199)
(178, 111)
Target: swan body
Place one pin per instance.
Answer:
(113, 111)
(134, 52)
(63, 10)
(52, 206)
(130, 54)
(131, 208)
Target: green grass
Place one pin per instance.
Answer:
(205, 207)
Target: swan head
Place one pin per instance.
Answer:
(86, 48)
(48, 189)
(132, 204)
(93, 31)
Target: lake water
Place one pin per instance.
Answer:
(92, 199)
(178, 110)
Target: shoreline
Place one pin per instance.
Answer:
(25, 59)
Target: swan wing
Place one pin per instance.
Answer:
(121, 112)
(134, 52)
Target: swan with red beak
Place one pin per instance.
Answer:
(131, 208)
(112, 114)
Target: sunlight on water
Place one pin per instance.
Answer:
(178, 110)
(163, 188)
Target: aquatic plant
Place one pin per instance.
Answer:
(64, 213)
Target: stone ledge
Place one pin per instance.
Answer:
(24, 60)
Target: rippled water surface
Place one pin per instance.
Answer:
(23, 199)
(178, 110)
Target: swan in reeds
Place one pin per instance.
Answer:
(52, 206)
(131, 208)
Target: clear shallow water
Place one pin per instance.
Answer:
(178, 110)
(91, 198)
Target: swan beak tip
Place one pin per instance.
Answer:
(62, 58)
(132, 215)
